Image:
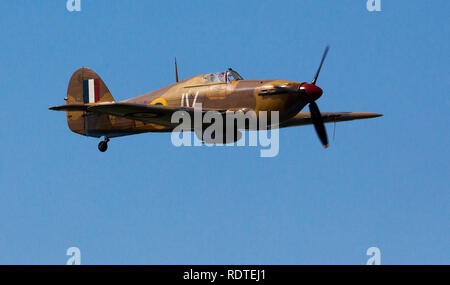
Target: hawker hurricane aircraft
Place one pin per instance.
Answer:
(92, 111)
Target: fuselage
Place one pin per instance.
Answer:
(235, 95)
(225, 91)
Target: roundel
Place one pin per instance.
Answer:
(159, 101)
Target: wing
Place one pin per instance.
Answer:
(154, 114)
(161, 115)
(304, 118)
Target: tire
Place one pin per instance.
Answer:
(102, 146)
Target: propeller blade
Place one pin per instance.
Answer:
(317, 120)
(320, 66)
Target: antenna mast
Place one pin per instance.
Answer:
(176, 70)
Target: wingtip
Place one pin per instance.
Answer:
(362, 115)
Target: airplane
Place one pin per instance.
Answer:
(92, 111)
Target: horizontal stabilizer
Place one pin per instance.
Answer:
(70, 107)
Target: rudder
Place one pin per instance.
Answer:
(86, 87)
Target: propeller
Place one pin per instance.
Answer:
(310, 92)
(313, 93)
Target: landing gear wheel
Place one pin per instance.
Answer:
(103, 145)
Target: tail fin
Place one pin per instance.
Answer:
(86, 87)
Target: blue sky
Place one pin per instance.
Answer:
(383, 182)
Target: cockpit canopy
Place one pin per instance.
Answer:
(222, 77)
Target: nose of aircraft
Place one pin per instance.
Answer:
(312, 91)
